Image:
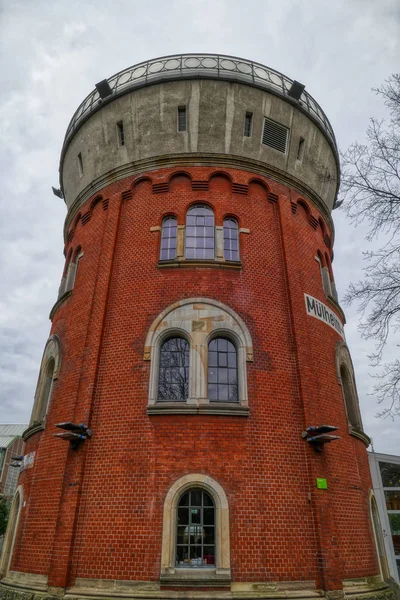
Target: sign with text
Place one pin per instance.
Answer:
(317, 309)
(28, 460)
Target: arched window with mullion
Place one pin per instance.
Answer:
(173, 377)
(168, 239)
(222, 371)
(200, 236)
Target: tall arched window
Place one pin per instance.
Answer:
(173, 377)
(195, 535)
(349, 398)
(11, 532)
(231, 239)
(168, 239)
(222, 371)
(200, 239)
(46, 390)
(49, 370)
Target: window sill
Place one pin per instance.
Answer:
(32, 429)
(358, 433)
(181, 408)
(188, 262)
(57, 305)
(196, 577)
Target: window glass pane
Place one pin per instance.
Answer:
(390, 473)
(168, 239)
(182, 555)
(209, 535)
(209, 515)
(209, 555)
(392, 500)
(192, 537)
(173, 380)
(200, 233)
(394, 520)
(195, 499)
(184, 501)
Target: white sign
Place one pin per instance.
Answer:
(317, 309)
(28, 460)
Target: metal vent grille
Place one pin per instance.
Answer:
(275, 135)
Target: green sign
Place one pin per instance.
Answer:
(322, 483)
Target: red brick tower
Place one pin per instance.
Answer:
(197, 334)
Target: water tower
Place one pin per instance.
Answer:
(197, 365)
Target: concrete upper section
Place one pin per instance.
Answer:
(217, 92)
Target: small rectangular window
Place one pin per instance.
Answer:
(121, 134)
(80, 164)
(275, 135)
(300, 150)
(247, 124)
(181, 118)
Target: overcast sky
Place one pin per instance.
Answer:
(51, 55)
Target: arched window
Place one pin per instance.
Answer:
(200, 239)
(349, 398)
(345, 373)
(195, 534)
(379, 541)
(11, 532)
(231, 239)
(47, 388)
(222, 371)
(168, 239)
(48, 373)
(173, 377)
(214, 335)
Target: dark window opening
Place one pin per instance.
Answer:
(247, 124)
(195, 536)
(222, 371)
(181, 118)
(168, 239)
(80, 164)
(121, 134)
(300, 150)
(173, 378)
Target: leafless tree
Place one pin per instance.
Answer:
(371, 192)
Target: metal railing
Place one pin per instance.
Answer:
(197, 66)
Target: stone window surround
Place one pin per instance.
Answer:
(11, 531)
(198, 320)
(52, 351)
(221, 574)
(343, 358)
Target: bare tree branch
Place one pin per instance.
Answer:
(371, 193)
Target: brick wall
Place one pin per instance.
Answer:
(97, 512)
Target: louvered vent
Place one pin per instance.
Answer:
(275, 135)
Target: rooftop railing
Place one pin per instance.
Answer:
(197, 66)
